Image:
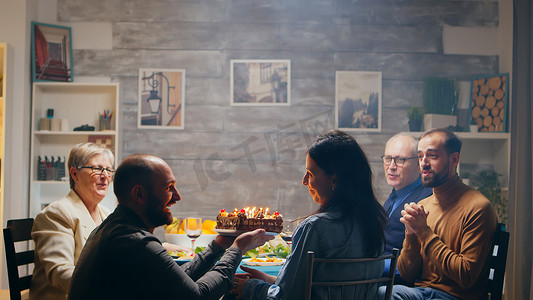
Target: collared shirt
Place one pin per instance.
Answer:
(401, 195)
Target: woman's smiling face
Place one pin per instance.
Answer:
(320, 184)
(92, 187)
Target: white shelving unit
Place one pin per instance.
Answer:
(485, 148)
(80, 104)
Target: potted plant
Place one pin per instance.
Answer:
(486, 182)
(440, 97)
(415, 115)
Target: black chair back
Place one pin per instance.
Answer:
(497, 261)
(369, 284)
(18, 231)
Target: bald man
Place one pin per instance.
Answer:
(403, 175)
(122, 259)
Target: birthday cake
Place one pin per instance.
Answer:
(250, 219)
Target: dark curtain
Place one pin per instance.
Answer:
(519, 277)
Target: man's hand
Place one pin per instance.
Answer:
(252, 239)
(254, 273)
(414, 217)
(240, 280)
(224, 241)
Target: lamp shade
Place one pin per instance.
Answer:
(154, 101)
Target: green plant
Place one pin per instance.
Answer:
(440, 95)
(488, 184)
(415, 113)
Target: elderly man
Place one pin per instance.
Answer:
(122, 259)
(449, 234)
(402, 173)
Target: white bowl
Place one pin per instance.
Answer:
(184, 240)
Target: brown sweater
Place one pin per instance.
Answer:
(450, 254)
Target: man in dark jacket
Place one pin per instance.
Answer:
(122, 259)
(402, 172)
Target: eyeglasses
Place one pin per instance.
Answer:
(99, 170)
(400, 161)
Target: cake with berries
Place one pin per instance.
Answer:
(250, 219)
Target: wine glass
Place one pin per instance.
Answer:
(193, 229)
(288, 229)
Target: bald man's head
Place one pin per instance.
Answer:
(136, 169)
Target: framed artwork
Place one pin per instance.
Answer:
(260, 82)
(358, 101)
(51, 52)
(161, 98)
(489, 101)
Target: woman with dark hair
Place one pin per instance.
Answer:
(348, 224)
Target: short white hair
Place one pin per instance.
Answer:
(414, 142)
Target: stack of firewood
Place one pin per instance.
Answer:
(488, 103)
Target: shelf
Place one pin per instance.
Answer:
(484, 135)
(80, 104)
(75, 133)
(470, 135)
(49, 182)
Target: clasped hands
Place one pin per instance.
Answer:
(414, 217)
(240, 280)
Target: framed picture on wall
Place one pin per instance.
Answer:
(489, 101)
(260, 82)
(358, 101)
(51, 52)
(161, 98)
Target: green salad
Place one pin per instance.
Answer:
(280, 250)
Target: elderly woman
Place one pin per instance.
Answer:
(349, 223)
(61, 229)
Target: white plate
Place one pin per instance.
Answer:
(235, 232)
(266, 263)
(180, 261)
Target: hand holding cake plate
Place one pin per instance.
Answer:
(236, 222)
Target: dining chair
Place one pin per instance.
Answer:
(18, 230)
(367, 286)
(496, 262)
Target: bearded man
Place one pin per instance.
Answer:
(447, 235)
(122, 259)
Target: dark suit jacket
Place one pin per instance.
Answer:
(395, 230)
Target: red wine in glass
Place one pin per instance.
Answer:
(193, 236)
(193, 229)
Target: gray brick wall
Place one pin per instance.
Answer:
(401, 39)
